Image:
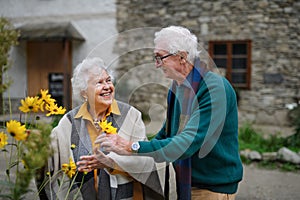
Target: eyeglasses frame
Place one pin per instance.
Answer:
(159, 59)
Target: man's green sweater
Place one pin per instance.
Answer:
(209, 137)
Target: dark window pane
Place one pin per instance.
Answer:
(220, 49)
(220, 62)
(238, 49)
(238, 78)
(239, 63)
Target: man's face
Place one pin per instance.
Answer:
(169, 63)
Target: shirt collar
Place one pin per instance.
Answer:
(84, 112)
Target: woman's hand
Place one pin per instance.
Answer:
(115, 143)
(95, 161)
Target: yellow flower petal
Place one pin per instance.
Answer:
(3, 139)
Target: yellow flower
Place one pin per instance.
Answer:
(46, 97)
(73, 146)
(24, 163)
(69, 168)
(3, 139)
(107, 127)
(55, 110)
(31, 104)
(16, 130)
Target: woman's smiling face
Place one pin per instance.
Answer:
(100, 90)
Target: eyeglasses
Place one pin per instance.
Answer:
(159, 59)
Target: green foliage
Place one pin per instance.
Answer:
(56, 119)
(251, 139)
(151, 136)
(32, 155)
(245, 160)
(8, 37)
(277, 165)
(288, 167)
(268, 165)
(293, 141)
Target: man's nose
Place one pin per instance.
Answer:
(157, 64)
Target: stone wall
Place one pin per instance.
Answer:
(271, 25)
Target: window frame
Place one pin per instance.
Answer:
(229, 56)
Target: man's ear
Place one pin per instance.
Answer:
(183, 55)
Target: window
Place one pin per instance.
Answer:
(235, 58)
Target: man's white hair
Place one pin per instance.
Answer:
(176, 38)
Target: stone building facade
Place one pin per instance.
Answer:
(272, 26)
(122, 32)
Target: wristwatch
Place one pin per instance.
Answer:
(135, 147)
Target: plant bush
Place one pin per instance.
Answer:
(251, 139)
(294, 116)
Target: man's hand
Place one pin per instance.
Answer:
(113, 142)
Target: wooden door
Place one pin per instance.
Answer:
(45, 58)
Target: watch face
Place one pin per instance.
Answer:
(135, 146)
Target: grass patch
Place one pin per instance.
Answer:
(251, 139)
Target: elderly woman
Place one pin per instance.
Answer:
(99, 175)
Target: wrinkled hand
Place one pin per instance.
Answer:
(115, 143)
(95, 161)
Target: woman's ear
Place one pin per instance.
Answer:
(84, 95)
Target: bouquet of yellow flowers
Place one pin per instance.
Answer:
(26, 145)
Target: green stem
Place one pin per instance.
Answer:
(18, 159)
(9, 104)
(10, 157)
(45, 182)
(77, 193)
(15, 190)
(71, 185)
(61, 183)
(11, 148)
(7, 163)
